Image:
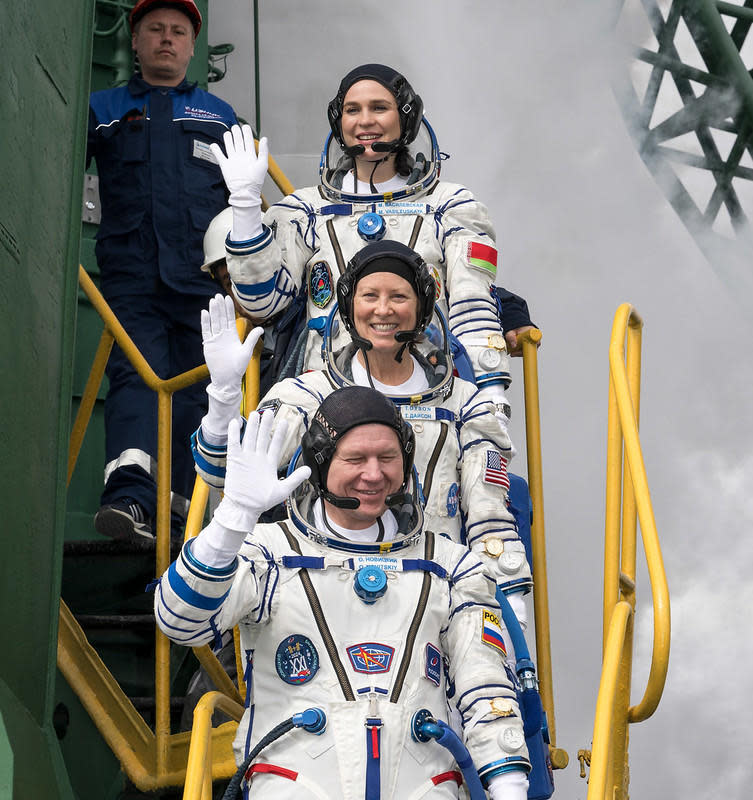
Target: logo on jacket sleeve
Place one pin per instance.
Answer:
(296, 659)
(491, 633)
(320, 284)
(371, 657)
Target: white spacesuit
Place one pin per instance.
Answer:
(457, 436)
(463, 446)
(308, 237)
(376, 627)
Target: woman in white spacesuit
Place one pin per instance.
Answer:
(379, 178)
(399, 346)
(355, 623)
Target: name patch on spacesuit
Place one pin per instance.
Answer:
(385, 209)
(387, 564)
(320, 284)
(371, 657)
(433, 664)
(491, 633)
(296, 659)
(418, 412)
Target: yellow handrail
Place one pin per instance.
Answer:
(530, 340)
(199, 771)
(627, 497)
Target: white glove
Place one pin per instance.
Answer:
(244, 173)
(227, 358)
(242, 169)
(251, 482)
(511, 785)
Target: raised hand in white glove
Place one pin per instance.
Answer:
(242, 169)
(226, 356)
(251, 482)
(511, 785)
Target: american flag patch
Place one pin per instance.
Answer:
(496, 469)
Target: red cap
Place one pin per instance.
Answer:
(188, 7)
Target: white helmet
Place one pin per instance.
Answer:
(214, 239)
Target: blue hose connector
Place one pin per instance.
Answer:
(313, 720)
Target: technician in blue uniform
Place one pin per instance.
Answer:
(160, 186)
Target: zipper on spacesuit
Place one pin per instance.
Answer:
(414, 233)
(336, 246)
(410, 639)
(435, 453)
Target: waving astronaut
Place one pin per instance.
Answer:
(398, 345)
(379, 178)
(351, 607)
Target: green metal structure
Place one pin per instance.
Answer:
(684, 85)
(43, 93)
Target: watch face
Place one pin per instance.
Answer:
(511, 739)
(490, 358)
(502, 707)
(493, 547)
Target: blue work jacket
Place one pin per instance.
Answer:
(159, 184)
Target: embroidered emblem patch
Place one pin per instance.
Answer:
(491, 633)
(452, 500)
(296, 659)
(371, 657)
(437, 281)
(495, 470)
(320, 284)
(433, 664)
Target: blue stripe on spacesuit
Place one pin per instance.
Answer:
(303, 562)
(189, 595)
(252, 289)
(411, 564)
(206, 467)
(485, 691)
(373, 737)
(192, 564)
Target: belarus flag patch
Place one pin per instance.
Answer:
(482, 256)
(491, 633)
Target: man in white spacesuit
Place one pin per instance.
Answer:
(379, 178)
(386, 300)
(350, 609)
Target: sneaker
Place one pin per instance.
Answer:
(123, 520)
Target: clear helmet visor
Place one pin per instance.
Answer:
(408, 510)
(421, 165)
(432, 350)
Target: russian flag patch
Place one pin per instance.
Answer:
(491, 632)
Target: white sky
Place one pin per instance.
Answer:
(518, 94)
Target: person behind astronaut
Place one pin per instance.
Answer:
(399, 345)
(379, 178)
(349, 606)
